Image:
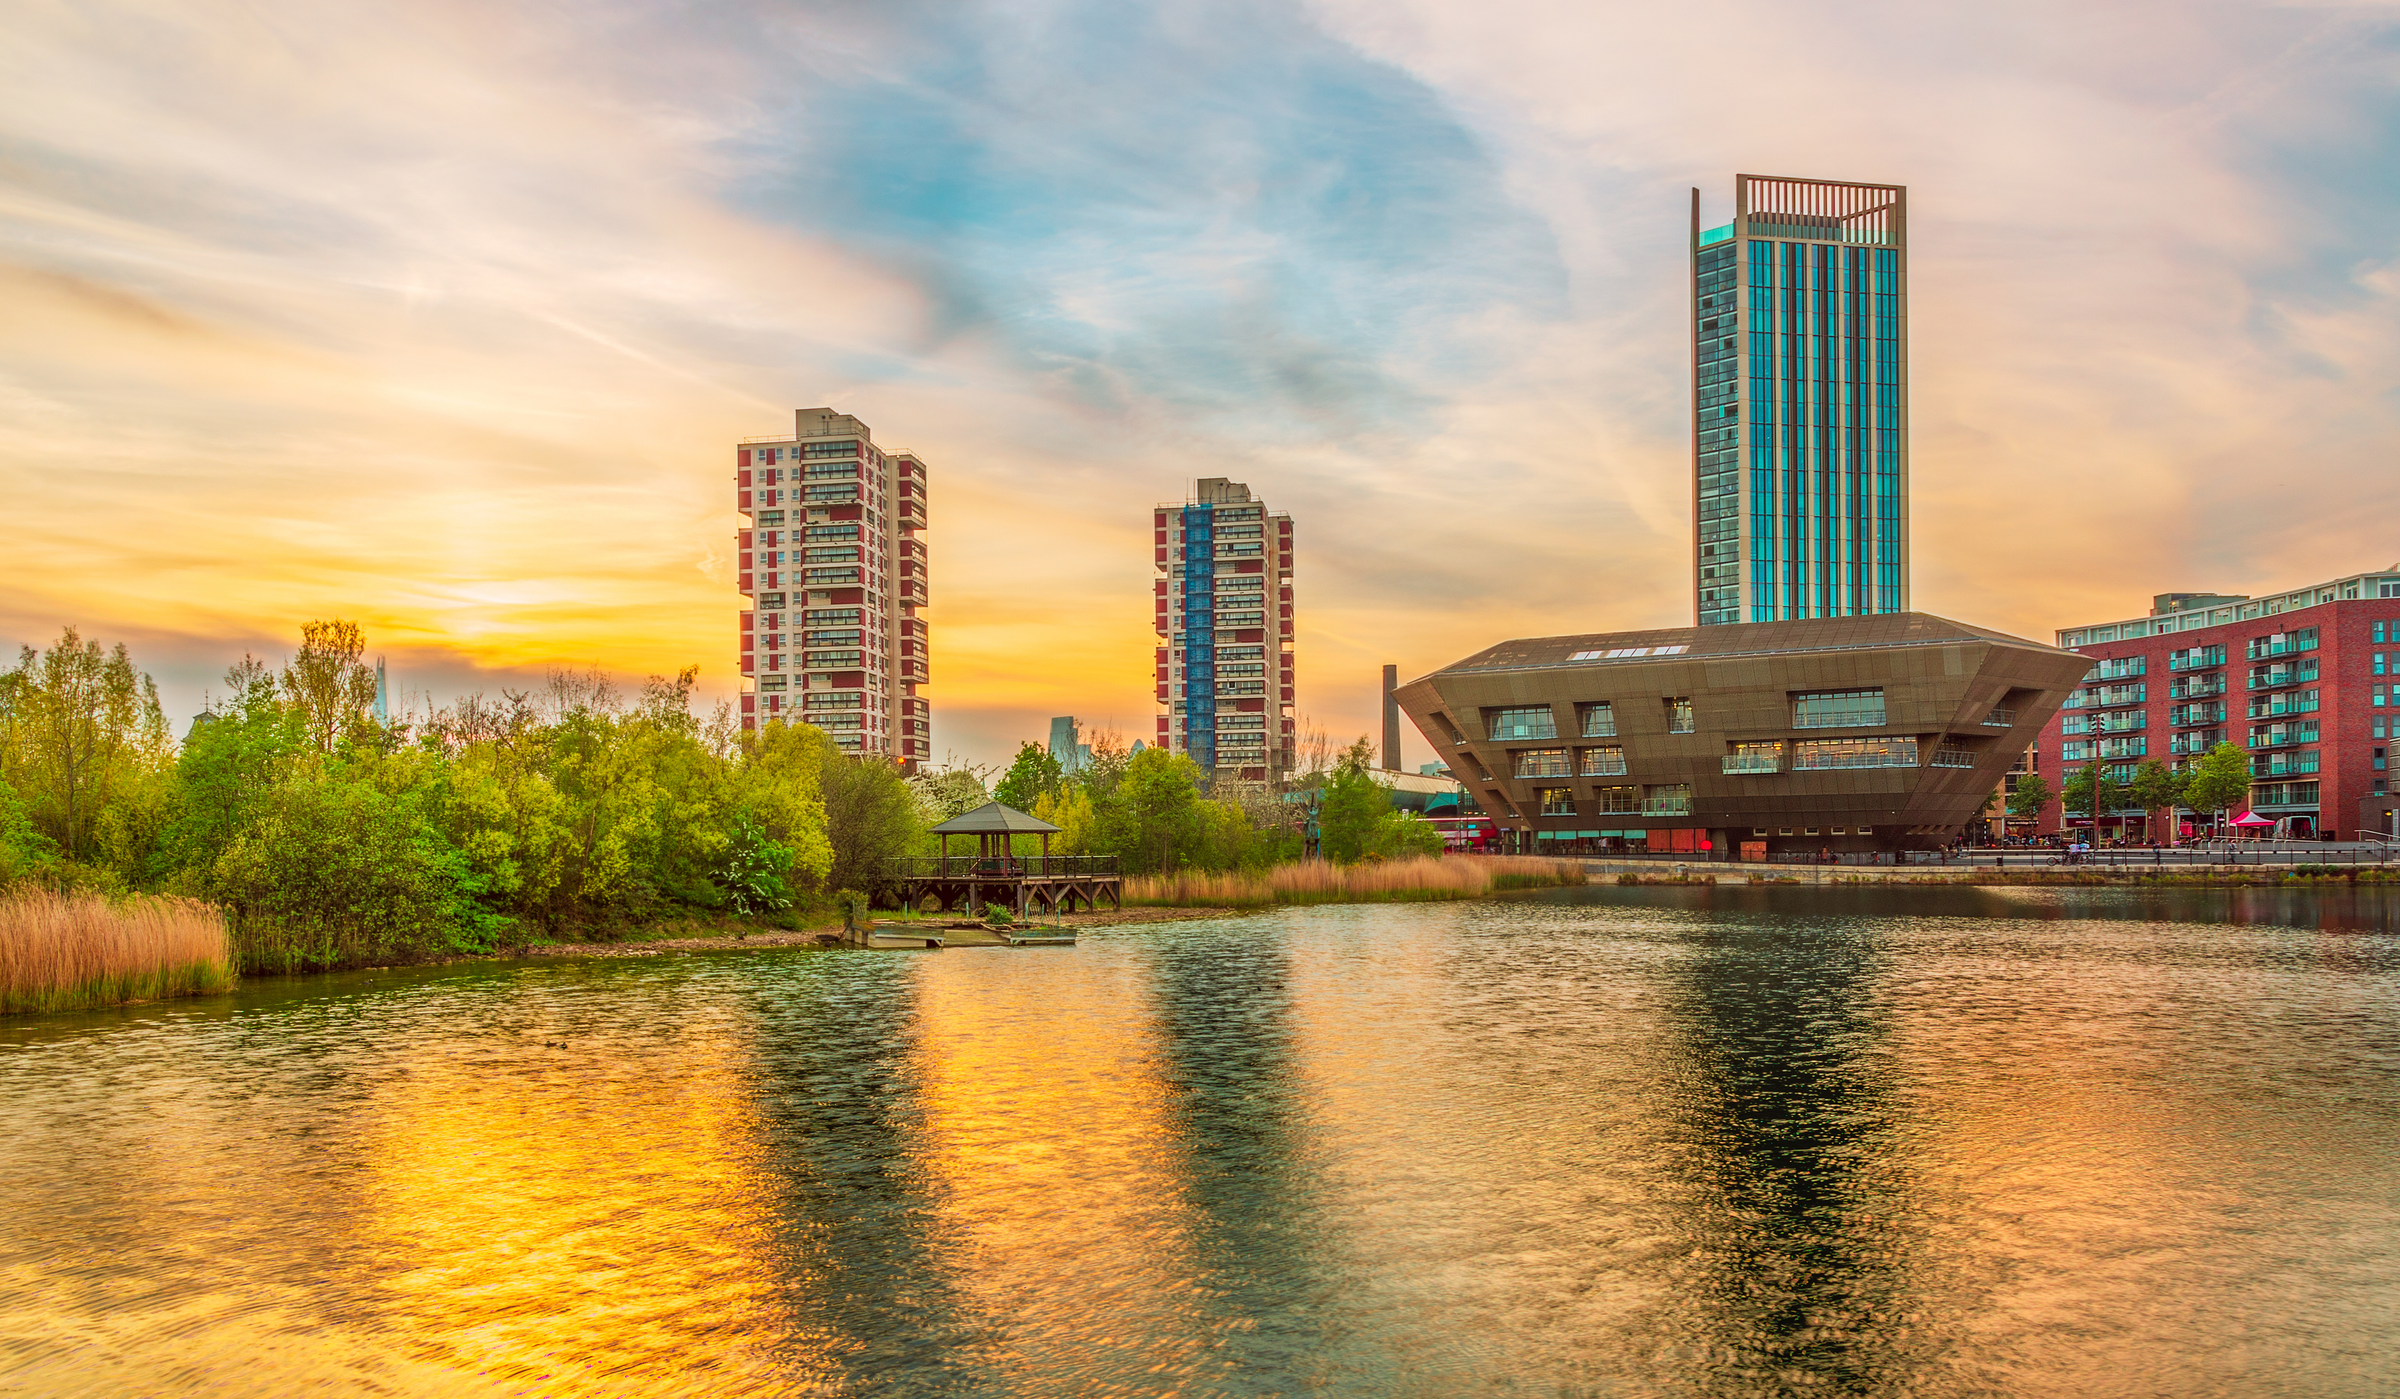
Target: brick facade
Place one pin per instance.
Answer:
(2336, 667)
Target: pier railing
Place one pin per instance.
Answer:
(1000, 867)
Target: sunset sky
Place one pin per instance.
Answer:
(446, 317)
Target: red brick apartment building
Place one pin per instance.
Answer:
(836, 575)
(1222, 611)
(2306, 682)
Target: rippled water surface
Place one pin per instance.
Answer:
(1604, 1142)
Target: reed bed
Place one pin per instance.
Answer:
(1422, 879)
(74, 951)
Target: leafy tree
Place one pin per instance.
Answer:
(871, 815)
(329, 683)
(337, 872)
(335, 840)
(1034, 775)
(2031, 796)
(77, 726)
(1072, 811)
(1152, 821)
(2220, 779)
(1105, 768)
(950, 792)
(2093, 791)
(2156, 788)
(782, 779)
(227, 768)
(24, 852)
(1401, 834)
(1352, 806)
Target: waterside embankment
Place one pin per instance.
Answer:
(1654, 871)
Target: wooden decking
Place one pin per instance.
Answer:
(1026, 885)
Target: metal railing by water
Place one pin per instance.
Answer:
(1000, 866)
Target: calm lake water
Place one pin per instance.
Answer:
(1596, 1142)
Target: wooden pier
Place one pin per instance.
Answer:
(1027, 886)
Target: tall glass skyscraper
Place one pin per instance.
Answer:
(1800, 402)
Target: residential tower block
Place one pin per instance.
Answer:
(1223, 617)
(835, 576)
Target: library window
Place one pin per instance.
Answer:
(1820, 753)
(1679, 716)
(1531, 722)
(1539, 762)
(1603, 762)
(1838, 709)
(1558, 801)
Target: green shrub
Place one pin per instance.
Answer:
(339, 874)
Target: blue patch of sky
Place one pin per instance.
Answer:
(2320, 152)
(1228, 212)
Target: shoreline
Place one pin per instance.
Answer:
(1733, 875)
(736, 941)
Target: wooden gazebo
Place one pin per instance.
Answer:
(995, 873)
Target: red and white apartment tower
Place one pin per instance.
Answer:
(1223, 614)
(835, 574)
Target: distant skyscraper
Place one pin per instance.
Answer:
(1067, 745)
(1224, 623)
(836, 573)
(1800, 402)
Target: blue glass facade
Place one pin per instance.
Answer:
(1199, 632)
(1224, 622)
(1800, 446)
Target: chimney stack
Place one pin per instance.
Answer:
(1391, 719)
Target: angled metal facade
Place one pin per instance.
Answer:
(1890, 730)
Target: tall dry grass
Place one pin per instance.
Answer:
(72, 951)
(1424, 878)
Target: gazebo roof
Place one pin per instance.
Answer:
(992, 819)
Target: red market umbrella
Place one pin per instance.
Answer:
(2252, 818)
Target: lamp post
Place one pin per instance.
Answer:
(2099, 775)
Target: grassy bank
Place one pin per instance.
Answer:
(1427, 878)
(75, 951)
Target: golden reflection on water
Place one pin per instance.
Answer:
(1481, 1138)
(605, 1205)
(1047, 1153)
(1687, 1144)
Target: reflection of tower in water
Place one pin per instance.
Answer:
(864, 1285)
(1254, 1225)
(1801, 1251)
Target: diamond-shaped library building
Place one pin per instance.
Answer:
(1882, 732)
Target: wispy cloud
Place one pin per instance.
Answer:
(445, 315)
